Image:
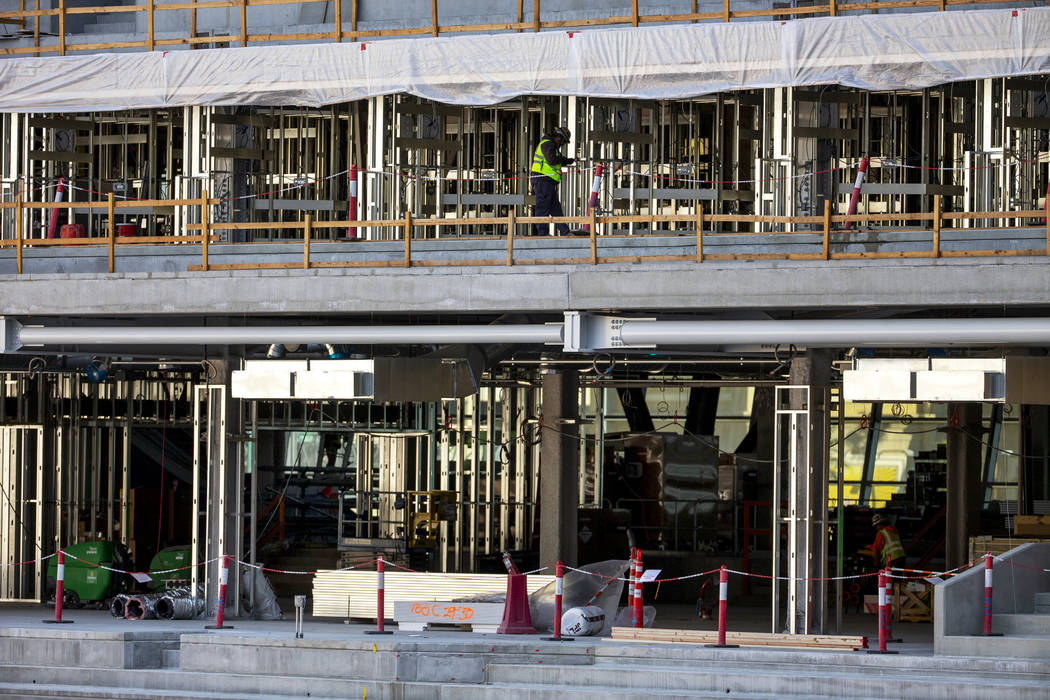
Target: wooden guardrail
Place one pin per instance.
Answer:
(347, 27)
(407, 226)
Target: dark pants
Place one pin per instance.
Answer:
(547, 204)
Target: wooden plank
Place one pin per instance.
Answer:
(634, 13)
(510, 231)
(936, 226)
(434, 17)
(699, 226)
(149, 25)
(306, 241)
(593, 229)
(826, 247)
(740, 638)
(205, 215)
(18, 232)
(337, 34)
(535, 15)
(61, 27)
(408, 239)
(111, 230)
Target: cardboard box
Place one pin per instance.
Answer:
(1032, 525)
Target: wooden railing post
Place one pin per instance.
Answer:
(634, 13)
(936, 226)
(61, 27)
(18, 232)
(725, 11)
(594, 235)
(434, 17)
(205, 234)
(510, 238)
(521, 13)
(1046, 210)
(244, 23)
(353, 20)
(111, 230)
(338, 21)
(408, 239)
(193, 23)
(307, 226)
(827, 229)
(149, 25)
(699, 231)
(832, 9)
(535, 15)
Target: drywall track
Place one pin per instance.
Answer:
(875, 52)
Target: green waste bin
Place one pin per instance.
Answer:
(166, 560)
(85, 580)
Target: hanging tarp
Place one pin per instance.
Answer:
(875, 52)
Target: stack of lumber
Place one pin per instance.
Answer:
(748, 639)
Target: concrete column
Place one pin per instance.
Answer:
(559, 468)
(809, 561)
(964, 493)
(223, 506)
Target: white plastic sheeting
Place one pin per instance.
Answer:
(876, 52)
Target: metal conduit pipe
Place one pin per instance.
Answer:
(286, 335)
(841, 333)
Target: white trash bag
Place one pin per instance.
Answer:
(587, 621)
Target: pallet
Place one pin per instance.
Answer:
(749, 639)
(913, 601)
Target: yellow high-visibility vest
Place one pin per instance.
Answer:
(541, 166)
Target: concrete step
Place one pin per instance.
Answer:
(170, 658)
(1021, 623)
(771, 660)
(815, 682)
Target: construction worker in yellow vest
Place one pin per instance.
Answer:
(887, 547)
(546, 175)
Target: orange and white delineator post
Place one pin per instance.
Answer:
(884, 616)
(559, 573)
(220, 612)
(60, 593)
(988, 558)
(351, 231)
(596, 185)
(639, 620)
(723, 597)
(380, 598)
(862, 172)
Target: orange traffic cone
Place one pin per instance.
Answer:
(516, 616)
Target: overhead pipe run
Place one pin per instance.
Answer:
(581, 332)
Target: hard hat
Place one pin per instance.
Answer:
(878, 519)
(583, 622)
(562, 133)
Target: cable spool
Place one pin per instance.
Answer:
(179, 604)
(118, 604)
(141, 607)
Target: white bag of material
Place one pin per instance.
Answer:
(625, 617)
(599, 587)
(266, 607)
(583, 622)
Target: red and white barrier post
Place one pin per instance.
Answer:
(351, 231)
(723, 597)
(220, 612)
(889, 605)
(60, 593)
(884, 617)
(988, 559)
(862, 172)
(52, 225)
(596, 184)
(638, 610)
(380, 596)
(559, 572)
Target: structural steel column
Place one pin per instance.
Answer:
(559, 468)
(809, 560)
(965, 494)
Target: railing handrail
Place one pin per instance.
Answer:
(826, 227)
(339, 32)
